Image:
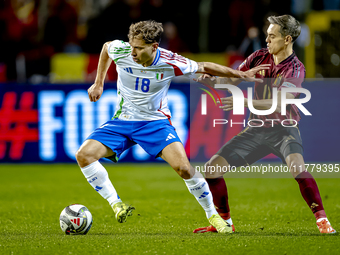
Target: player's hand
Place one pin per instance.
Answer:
(250, 74)
(206, 79)
(95, 92)
(227, 103)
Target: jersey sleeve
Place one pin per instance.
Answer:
(293, 78)
(251, 61)
(181, 65)
(245, 66)
(191, 68)
(119, 49)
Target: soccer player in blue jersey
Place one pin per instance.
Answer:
(142, 115)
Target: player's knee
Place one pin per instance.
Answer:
(80, 155)
(84, 157)
(295, 170)
(183, 170)
(208, 173)
(213, 170)
(295, 163)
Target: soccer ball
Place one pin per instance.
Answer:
(75, 219)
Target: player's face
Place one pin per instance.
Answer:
(275, 40)
(141, 52)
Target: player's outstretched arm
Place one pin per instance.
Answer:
(210, 80)
(224, 71)
(217, 70)
(96, 90)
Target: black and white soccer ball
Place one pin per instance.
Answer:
(75, 219)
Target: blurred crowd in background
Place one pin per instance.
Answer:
(32, 31)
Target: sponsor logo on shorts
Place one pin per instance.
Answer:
(170, 136)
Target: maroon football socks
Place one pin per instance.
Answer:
(310, 192)
(219, 191)
(308, 187)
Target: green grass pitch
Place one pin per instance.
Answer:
(269, 214)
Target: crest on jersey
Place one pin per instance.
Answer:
(159, 75)
(277, 80)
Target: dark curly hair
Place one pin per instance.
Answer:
(288, 25)
(150, 31)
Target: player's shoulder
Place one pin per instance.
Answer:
(258, 57)
(119, 49)
(162, 50)
(165, 52)
(260, 54)
(167, 56)
(292, 68)
(297, 61)
(118, 45)
(181, 65)
(295, 68)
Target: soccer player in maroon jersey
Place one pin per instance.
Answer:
(254, 143)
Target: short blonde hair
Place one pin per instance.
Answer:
(150, 31)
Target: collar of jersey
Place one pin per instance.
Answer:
(286, 60)
(156, 58)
